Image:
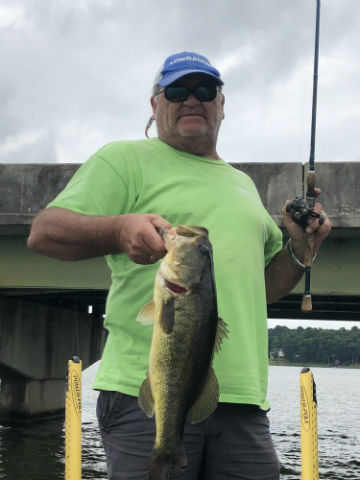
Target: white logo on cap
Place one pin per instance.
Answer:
(190, 59)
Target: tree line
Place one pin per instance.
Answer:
(314, 345)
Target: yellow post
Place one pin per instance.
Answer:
(73, 421)
(309, 436)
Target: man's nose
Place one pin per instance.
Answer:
(191, 100)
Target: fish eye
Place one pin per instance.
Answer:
(204, 250)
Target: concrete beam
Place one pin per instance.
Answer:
(275, 182)
(27, 188)
(20, 267)
(37, 184)
(339, 181)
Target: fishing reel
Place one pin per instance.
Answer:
(301, 209)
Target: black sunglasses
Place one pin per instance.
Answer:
(179, 93)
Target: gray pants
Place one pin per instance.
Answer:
(233, 443)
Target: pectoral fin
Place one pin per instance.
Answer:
(207, 401)
(221, 333)
(146, 400)
(167, 314)
(146, 315)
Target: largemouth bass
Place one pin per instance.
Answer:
(181, 384)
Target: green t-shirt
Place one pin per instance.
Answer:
(148, 176)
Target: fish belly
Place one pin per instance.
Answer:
(179, 364)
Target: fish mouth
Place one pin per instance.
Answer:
(174, 287)
(191, 231)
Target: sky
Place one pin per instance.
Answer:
(77, 74)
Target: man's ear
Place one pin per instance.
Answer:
(222, 105)
(153, 103)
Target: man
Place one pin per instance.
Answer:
(113, 206)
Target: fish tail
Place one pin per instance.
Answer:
(162, 463)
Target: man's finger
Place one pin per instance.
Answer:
(318, 207)
(317, 191)
(153, 242)
(160, 223)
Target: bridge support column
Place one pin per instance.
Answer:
(22, 397)
(36, 343)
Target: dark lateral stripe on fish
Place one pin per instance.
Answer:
(174, 287)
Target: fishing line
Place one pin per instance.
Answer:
(76, 336)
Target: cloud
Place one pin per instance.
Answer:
(11, 16)
(81, 73)
(82, 136)
(20, 141)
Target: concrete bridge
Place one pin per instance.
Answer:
(51, 310)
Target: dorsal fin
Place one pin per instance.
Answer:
(221, 333)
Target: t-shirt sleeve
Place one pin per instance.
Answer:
(97, 188)
(274, 242)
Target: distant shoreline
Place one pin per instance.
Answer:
(275, 362)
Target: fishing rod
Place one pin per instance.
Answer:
(302, 208)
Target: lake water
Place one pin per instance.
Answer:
(36, 451)
(338, 395)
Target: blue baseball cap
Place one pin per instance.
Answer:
(185, 63)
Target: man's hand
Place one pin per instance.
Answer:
(281, 275)
(139, 238)
(297, 233)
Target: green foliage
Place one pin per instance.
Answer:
(331, 347)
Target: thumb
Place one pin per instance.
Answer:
(286, 208)
(159, 222)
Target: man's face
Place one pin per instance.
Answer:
(189, 122)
